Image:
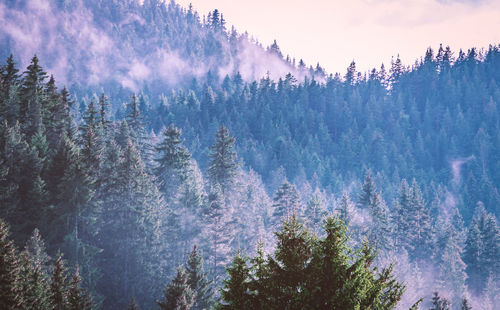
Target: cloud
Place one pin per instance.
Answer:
(456, 166)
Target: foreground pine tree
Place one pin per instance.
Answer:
(10, 295)
(198, 281)
(305, 272)
(178, 294)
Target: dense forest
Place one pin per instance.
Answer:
(245, 191)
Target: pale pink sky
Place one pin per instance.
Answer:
(334, 32)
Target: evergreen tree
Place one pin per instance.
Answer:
(304, 270)
(285, 203)
(31, 96)
(76, 296)
(236, 293)
(178, 294)
(401, 214)
(35, 274)
(315, 212)
(345, 209)
(419, 230)
(219, 230)
(439, 303)
(198, 281)
(58, 291)
(379, 230)
(10, 289)
(223, 165)
(9, 95)
(173, 161)
(368, 190)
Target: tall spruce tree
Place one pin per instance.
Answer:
(198, 281)
(173, 161)
(286, 202)
(10, 286)
(223, 165)
(31, 97)
(178, 294)
(304, 270)
(58, 291)
(77, 297)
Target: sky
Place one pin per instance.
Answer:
(334, 32)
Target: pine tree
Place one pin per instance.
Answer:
(219, 230)
(76, 296)
(178, 294)
(130, 217)
(222, 167)
(345, 209)
(58, 291)
(198, 281)
(439, 303)
(31, 95)
(305, 271)
(103, 120)
(9, 96)
(379, 230)
(401, 214)
(10, 287)
(368, 190)
(420, 230)
(173, 161)
(285, 203)
(35, 274)
(236, 294)
(315, 212)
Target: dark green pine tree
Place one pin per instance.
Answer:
(26, 195)
(58, 291)
(9, 76)
(236, 293)
(178, 294)
(35, 274)
(104, 123)
(286, 202)
(9, 96)
(31, 98)
(198, 281)
(59, 120)
(304, 270)
(439, 303)
(77, 298)
(91, 146)
(401, 215)
(136, 124)
(368, 190)
(222, 167)
(173, 161)
(10, 286)
(288, 265)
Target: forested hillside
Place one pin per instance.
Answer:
(125, 45)
(221, 184)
